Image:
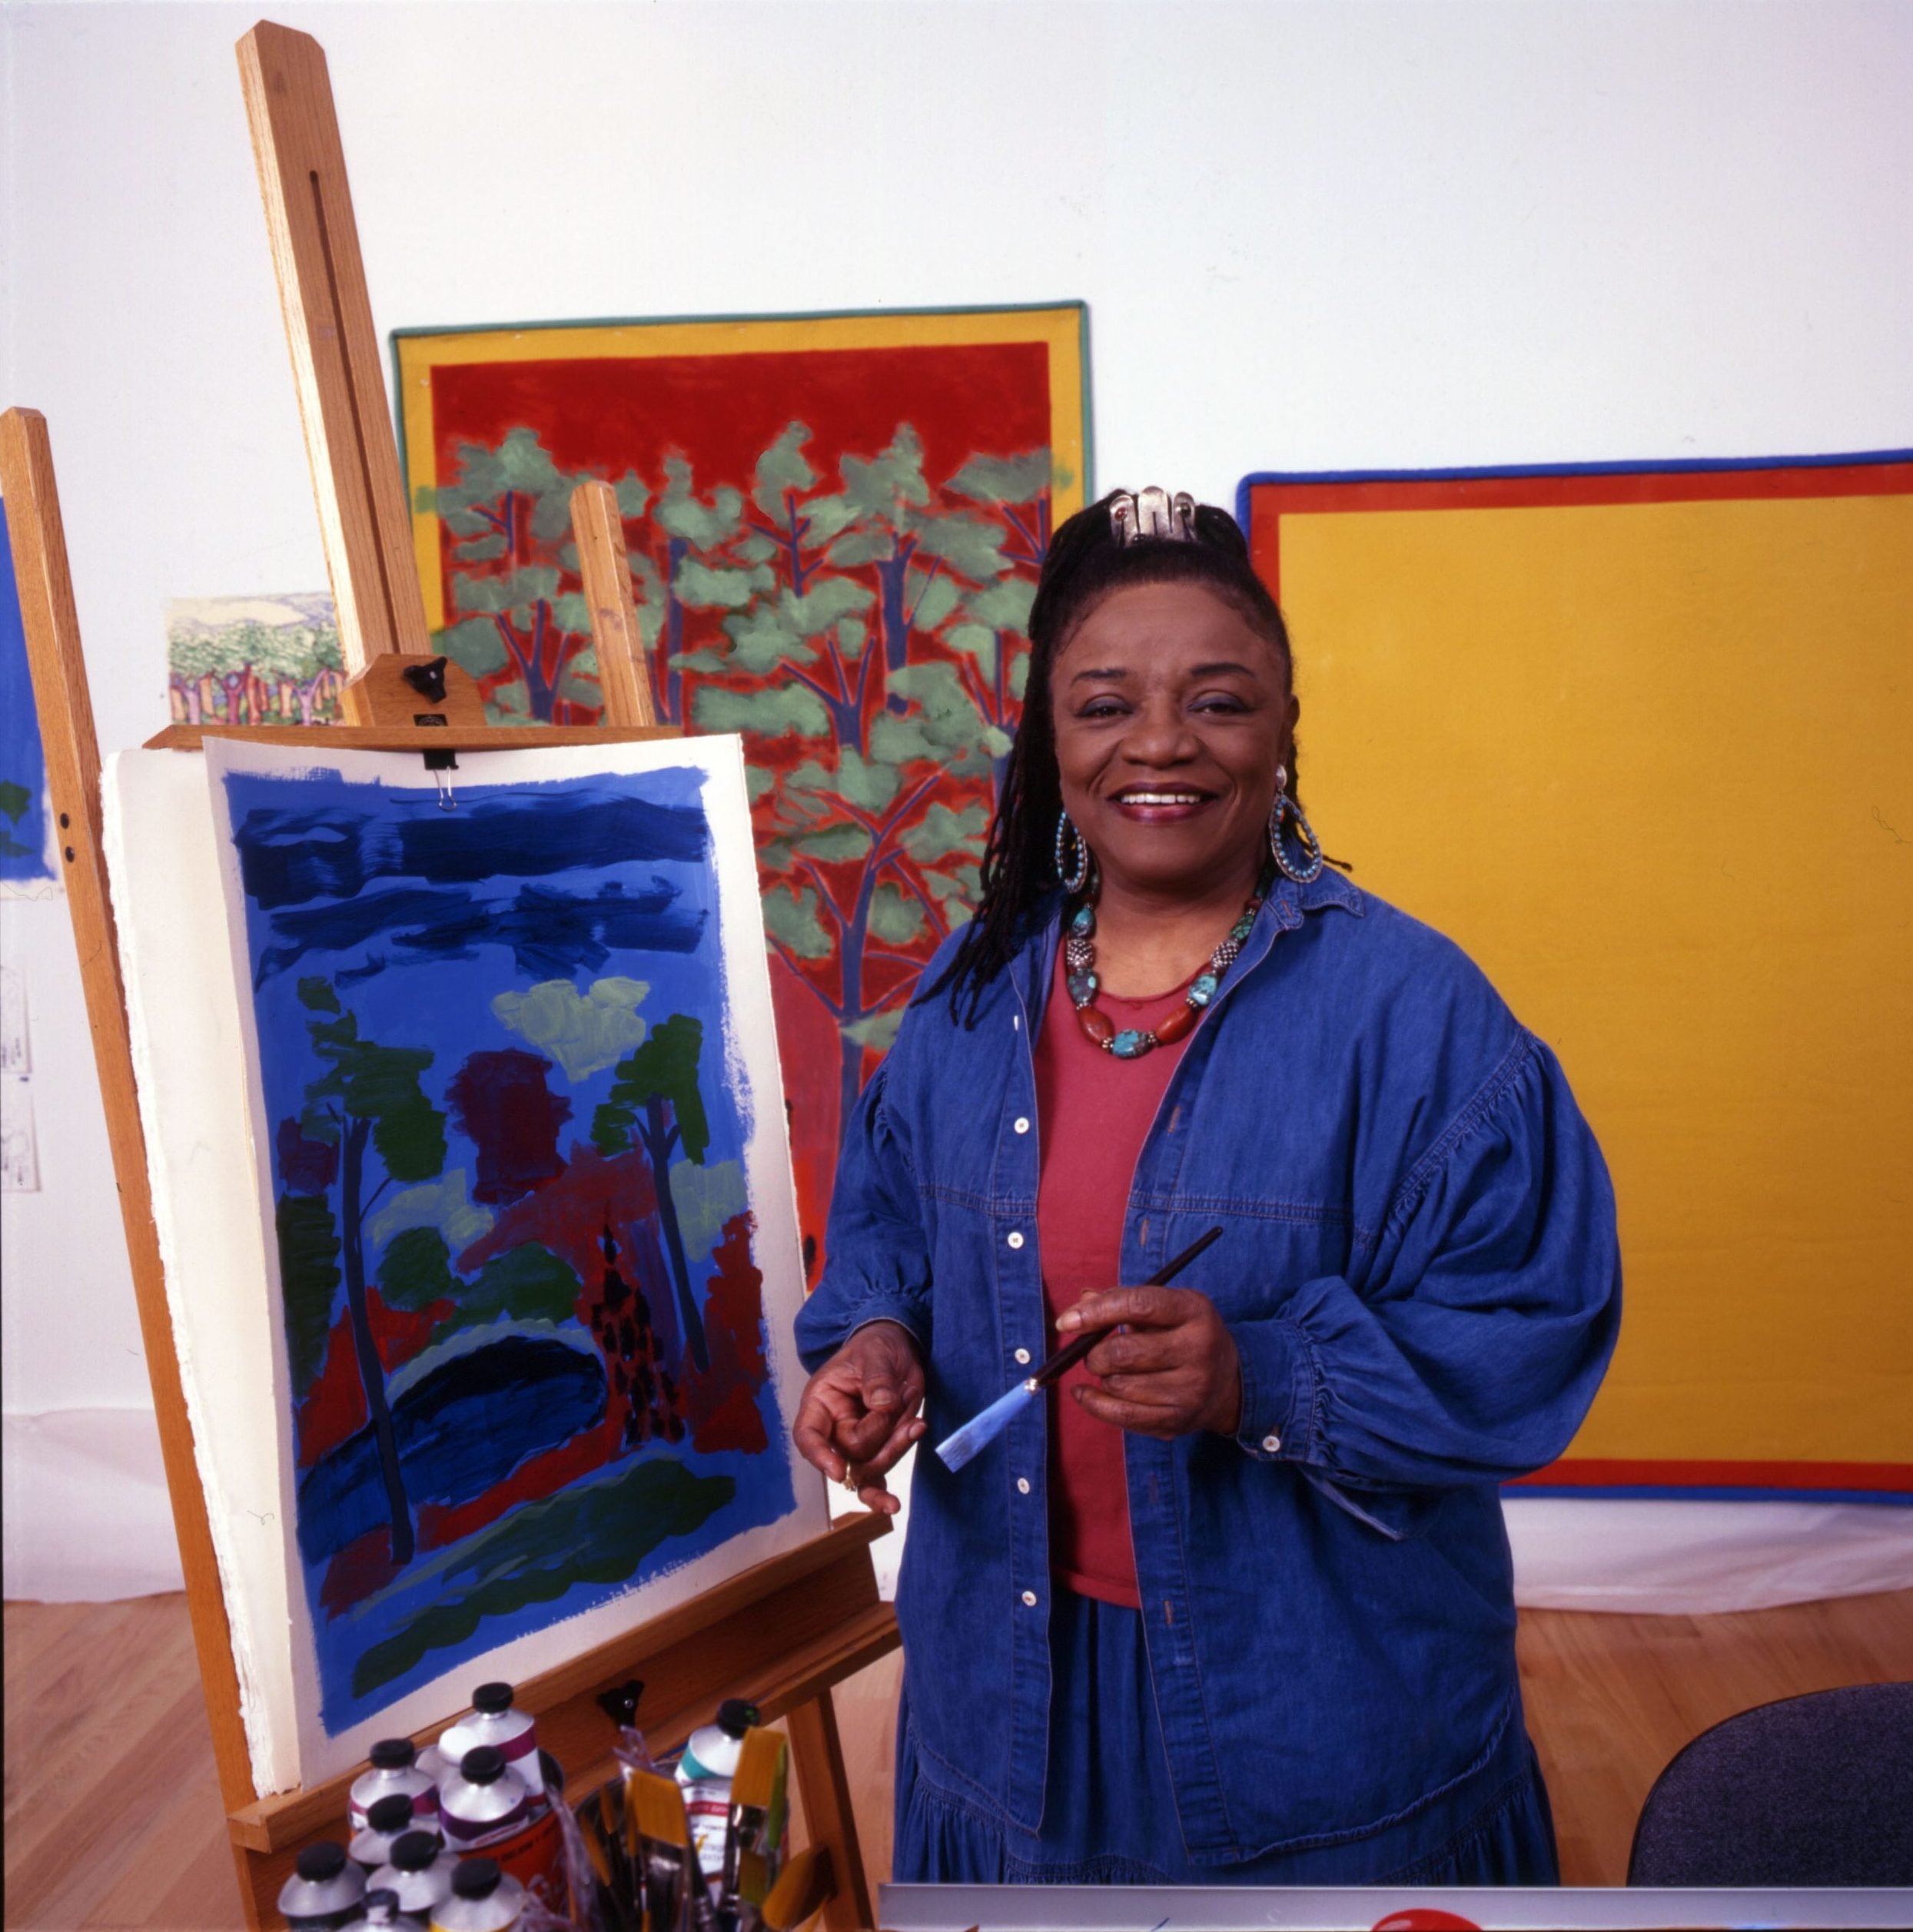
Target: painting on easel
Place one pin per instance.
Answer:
(834, 524)
(519, 1129)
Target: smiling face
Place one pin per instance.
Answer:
(1172, 714)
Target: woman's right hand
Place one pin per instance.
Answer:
(859, 1412)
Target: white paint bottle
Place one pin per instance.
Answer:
(395, 1768)
(483, 1900)
(324, 1891)
(420, 1875)
(493, 1722)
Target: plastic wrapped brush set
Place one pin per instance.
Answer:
(473, 1834)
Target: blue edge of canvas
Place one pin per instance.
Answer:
(1668, 1492)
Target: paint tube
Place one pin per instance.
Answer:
(704, 1770)
(484, 1798)
(324, 1891)
(420, 1874)
(388, 1821)
(483, 1900)
(533, 1850)
(382, 1913)
(493, 1722)
(395, 1768)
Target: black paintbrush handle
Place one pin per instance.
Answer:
(1067, 1357)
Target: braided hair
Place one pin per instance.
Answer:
(1087, 562)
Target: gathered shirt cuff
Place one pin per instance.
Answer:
(1278, 1390)
(818, 1338)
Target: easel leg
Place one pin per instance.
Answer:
(818, 1754)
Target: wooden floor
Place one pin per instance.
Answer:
(112, 1816)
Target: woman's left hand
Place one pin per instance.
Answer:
(1171, 1370)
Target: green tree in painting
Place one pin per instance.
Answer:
(888, 644)
(304, 657)
(655, 1100)
(368, 1105)
(522, 634)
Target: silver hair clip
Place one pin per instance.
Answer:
(1154, 513)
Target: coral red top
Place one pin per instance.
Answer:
(1094, 1112)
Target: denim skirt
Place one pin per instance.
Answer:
(1109, 1810)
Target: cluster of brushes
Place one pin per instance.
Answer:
(637, 1834)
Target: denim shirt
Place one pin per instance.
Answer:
(1419, 1267)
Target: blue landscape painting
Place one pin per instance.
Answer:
(523, 1316)
(23, 808)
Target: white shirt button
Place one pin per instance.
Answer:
(1029, 1599)
(1022, 1125)
(1016, 1240)
(1023, 1356)
(1022, 1485)
(1272, 1443)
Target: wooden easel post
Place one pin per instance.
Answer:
(65, 708)
(335, 350)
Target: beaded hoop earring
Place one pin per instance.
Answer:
(1285, 807)
(1076, 876)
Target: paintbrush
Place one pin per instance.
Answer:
(977, 1434)
(657, 1836)
(754, 1839)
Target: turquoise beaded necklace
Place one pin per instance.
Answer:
(1131, 1042)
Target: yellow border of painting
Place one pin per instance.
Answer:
(1061, 327)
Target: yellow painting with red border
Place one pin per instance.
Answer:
(1642, 742)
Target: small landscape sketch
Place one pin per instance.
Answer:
(522, 1296)
(266, 660)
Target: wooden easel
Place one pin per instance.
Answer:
(782, 1634)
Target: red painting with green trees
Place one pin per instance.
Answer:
(833, 553)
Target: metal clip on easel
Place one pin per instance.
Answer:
(428, 680)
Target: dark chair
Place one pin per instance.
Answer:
(1810, 1791)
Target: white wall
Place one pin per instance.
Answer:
(1317, 235)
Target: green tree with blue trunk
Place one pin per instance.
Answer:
(368, 1105)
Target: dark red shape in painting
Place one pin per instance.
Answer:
(568, 1215)
(545, 1474)
(305, 1166)
(358, 1569)
(502, 1101)
(722, 1404)
(334, 1407)
(736, 1423)
(401, 1333)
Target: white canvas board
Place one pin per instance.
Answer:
(401, 987)
(182, 1010)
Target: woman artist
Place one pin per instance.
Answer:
(1236, 1605)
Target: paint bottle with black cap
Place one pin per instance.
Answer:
(484, 1899)
(389, 1819)
(382, 1913)
(484, 1798)
(420, 1874)
(324, 1891)
(494, 1721)
(395, 1768)
(705, 1770)
(487, 1808)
